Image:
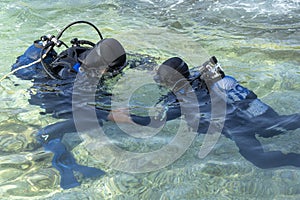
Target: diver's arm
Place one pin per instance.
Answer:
(170, 114)
(120, 116)
(123, 116)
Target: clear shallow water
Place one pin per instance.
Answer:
(256, 41)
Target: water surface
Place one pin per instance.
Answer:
(258, 42)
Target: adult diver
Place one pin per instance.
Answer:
(246, 116)
(243, 109)
(53, 76)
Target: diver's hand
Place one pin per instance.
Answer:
(120, 115)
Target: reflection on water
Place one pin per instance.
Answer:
(256, 41)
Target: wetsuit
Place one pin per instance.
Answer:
(246, 117)
(55, 96)
(64, 96)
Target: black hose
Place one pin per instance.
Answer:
(47, 49)
(51, 45)
(79, 22)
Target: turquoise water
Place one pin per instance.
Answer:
(258, 42)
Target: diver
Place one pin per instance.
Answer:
(53, 80)
(245, 116)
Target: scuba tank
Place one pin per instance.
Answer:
(40, 60)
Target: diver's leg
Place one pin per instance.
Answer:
(57, 130)
(65, 163)
(65, 160)
(50, 137)
(251, 149)
(88, 172)
(271, 124)
(60, 161)
(288, 122)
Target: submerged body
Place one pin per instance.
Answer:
(56, 96)
(72, 93)
(245, 116)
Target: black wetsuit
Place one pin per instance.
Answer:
(56, 97)
(246, 118)
(63, 97)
